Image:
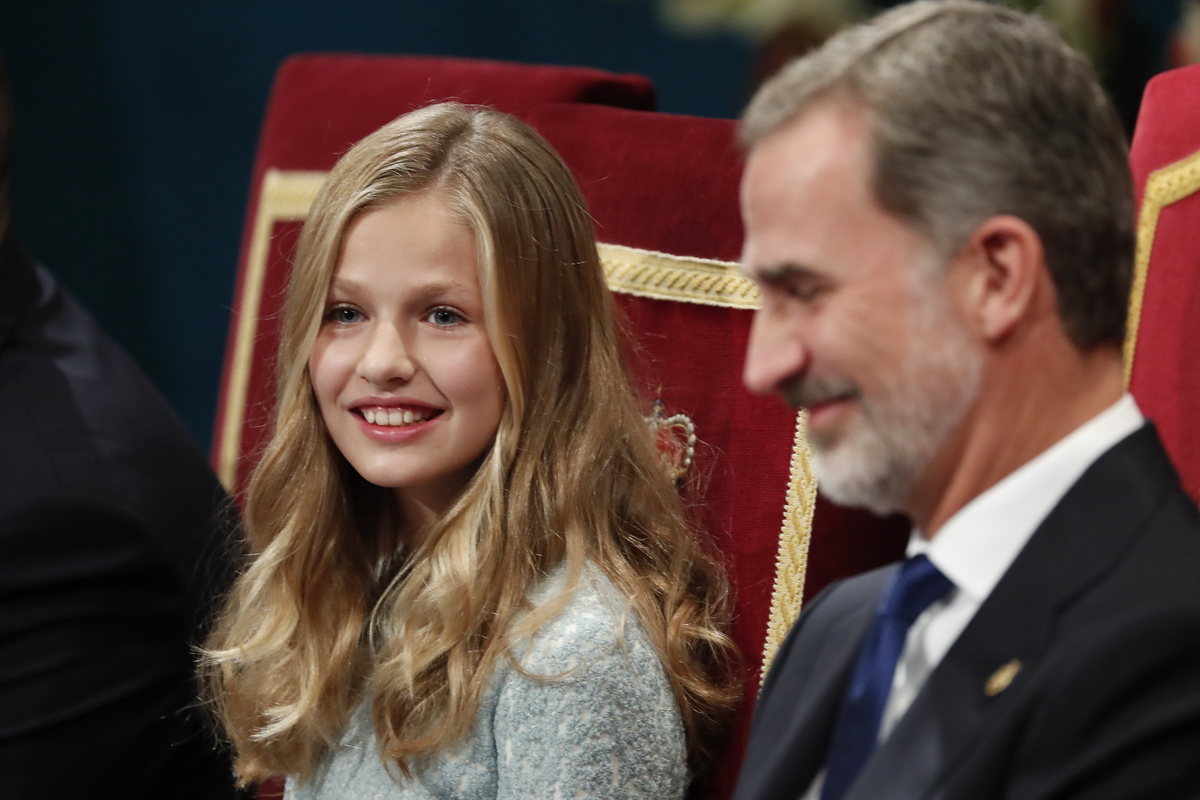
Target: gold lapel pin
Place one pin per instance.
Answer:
(1001, 678)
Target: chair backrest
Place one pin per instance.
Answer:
(663, 190)
(1162, 348)
(320, 106)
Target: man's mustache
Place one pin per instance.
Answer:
(811, 391)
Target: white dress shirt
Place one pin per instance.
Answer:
(978, 544)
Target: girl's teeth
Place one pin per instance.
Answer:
(393, 417)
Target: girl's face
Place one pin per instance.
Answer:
(402, 368)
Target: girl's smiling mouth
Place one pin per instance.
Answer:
(391, 416)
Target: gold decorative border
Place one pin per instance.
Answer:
(791, 562)
(645, 273)
(283, 196)
(1165, 186)
(660, 276)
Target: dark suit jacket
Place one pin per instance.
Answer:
(1101, 608)
(109, 563)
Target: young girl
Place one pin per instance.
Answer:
(472, 575)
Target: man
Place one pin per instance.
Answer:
(939, 216)
(109, 557)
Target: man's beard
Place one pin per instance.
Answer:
(875, 463)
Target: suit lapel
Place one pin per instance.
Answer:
(813, 721)
(1079, 543)
(795, 712)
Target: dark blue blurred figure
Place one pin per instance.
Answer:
(110, 556)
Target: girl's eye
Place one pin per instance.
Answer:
(444, 317)
(345, 315)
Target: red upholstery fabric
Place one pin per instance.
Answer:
(670, 184)
(1166, 364)
(321, 105)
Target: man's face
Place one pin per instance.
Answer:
(856, 323)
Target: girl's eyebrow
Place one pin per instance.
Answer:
(422, 293)
(344, 285)
(436, 289)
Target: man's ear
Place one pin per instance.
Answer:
(1001, 265)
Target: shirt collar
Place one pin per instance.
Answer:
(976, 546)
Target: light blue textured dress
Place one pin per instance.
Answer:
(609, 729)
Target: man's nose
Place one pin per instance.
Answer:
(775, 355)
(388, 358)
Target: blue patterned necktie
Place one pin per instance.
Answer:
(917, 584)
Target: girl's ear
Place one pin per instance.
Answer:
(999, 270)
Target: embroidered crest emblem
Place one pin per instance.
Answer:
(676, 439)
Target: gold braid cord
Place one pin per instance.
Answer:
(1165, 186)
(646, 273)
(287, 196)
(791, 563)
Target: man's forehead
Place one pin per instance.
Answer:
(830, 134)
(815, 165)
(804, 183)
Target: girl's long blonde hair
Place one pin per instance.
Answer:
(332, 603)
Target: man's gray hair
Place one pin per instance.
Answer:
(977, 110)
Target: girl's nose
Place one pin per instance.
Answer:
(388, 358)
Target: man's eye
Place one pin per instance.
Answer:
(806, 291)
(444, 317)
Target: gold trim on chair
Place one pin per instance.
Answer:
(1165, 186)
(284, 196)
(288, 195)
(791, 563)
(660, 276)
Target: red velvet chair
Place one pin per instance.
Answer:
(663, 190)
(1162, 347)
(321, 105)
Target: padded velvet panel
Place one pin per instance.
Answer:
(1165, 376)
(660, 182)
(670, 184)
(321, 105)
(1168, 124)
